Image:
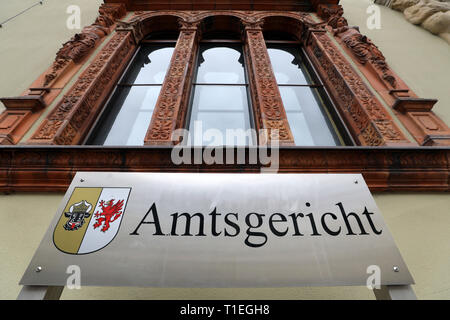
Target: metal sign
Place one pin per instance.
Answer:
(217, 230)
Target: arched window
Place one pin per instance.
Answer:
(219, 108)
(128, 112)
(307, 114)
(220, 99)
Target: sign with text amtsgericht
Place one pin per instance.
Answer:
(217, 230)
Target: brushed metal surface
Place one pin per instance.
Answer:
(221, 257)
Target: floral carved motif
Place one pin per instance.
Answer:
(168, 113)
(272, 115)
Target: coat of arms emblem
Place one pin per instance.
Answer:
(91, 219)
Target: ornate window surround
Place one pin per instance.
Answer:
(413, 112)
(368, 121)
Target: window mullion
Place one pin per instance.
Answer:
(267, 96)
(171, 105)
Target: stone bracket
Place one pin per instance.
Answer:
(18, 117)
(32, 103)
(413, 104)
(423, 124)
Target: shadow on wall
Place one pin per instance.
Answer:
(432, 15)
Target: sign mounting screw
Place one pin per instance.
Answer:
(396, 269)
(39, 269)
(81, 180)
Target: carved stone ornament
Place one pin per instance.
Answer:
(82, 43)
(364, 115)
(47, 87)
(364, 50)
(73, 116)
(271, 112)
(372, 62)
(135, 27)
(51, 169)
(171, 104)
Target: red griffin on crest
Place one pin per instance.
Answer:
(110, 213)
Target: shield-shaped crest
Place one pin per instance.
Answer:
(91, 219)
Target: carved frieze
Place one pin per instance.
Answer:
(272, 116)
(368, 120)
(72, 117)
(373, 64)
(170, 107)
(40, 168)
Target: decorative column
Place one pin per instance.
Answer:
(267, 101)
(172, 103)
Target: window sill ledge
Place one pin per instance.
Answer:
(51, 168)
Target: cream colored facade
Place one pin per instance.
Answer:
(419, 222)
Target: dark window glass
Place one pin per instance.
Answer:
(220, 99)
(305, 110)
(129, 111)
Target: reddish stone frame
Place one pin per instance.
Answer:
(414, 112)
(269, 109)
(369, 123)
(170, 109)
(52, 168)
